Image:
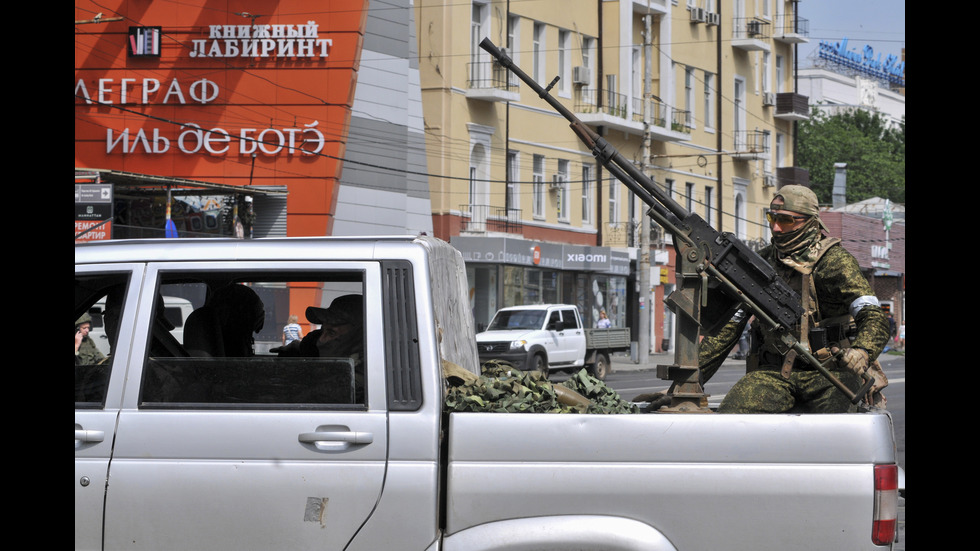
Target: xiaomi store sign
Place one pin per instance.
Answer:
(233, 92)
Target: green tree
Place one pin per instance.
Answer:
(873, 151)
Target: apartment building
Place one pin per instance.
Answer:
(698, 93)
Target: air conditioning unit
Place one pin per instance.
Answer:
(768, 98)
(581, 75)
(556, 183)
(697, 15)
(712, 18)
(755, 28)
(769, 180)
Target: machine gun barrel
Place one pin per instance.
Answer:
(613, 160)
(743, 277)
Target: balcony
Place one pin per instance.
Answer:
(751, 34)
(751, 145)
(791, 29)
(677, 130)
(613, 113)
(791, 106)
(489, 81)
(484, 219)
(792, 175)
(666, 125)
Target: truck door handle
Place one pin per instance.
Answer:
(346, 437)
(89, 435)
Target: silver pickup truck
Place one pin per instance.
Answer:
(202, 444)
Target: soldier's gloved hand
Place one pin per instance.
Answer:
(854, 360)
(874, 396)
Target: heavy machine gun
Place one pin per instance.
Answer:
(718, 273)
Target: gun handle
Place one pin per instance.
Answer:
(869, 381)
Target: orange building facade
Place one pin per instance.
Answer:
(246, 93)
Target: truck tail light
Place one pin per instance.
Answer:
(886, 504)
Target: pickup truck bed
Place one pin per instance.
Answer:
(744, 482)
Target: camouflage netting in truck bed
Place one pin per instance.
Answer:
(503, 389)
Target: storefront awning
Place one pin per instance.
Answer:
(131, 181)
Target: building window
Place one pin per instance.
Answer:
(689, 196)
(479, 72)
(670, 188)
(612, 99)
(561, 179)
(637, 78)
(740, 226)
(538, 184)
(709, 205)
(738, 124)
(564, 62)
(614, 200)
(779, 73)
(767, 147)
(766, 78)
(780, 149)
(587, 191)
(514, 46)
(588, 53)
(709, 100)
(689, 95)
(539, 52)
(513, 188)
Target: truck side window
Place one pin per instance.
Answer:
(98, 309)
(569, 319)
(231, 350)
(553, 320)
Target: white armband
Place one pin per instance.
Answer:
(861, 302)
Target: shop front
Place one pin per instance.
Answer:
(511, 272)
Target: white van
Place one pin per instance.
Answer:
(175, 309)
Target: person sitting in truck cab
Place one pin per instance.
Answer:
(833, 291)
(225, 326)
(341, 332)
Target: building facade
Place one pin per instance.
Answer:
(699, 94)
(300, 117)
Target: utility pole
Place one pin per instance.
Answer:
(643, 262)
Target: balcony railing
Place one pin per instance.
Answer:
(751, 33)
(751, 144)
(612, 103)
(491, 81)
(680, 121)
(486, 219)
(792, 106)
(638, 109)
(792, 29)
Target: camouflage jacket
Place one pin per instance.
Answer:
(88, 353)
(838, 281)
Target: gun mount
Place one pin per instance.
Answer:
(718, 273)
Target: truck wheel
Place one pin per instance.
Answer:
(538, 363)
(601, 367)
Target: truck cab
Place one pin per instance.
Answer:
(535, 337)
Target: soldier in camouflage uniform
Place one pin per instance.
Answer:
(836, 297)
(86, 353)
